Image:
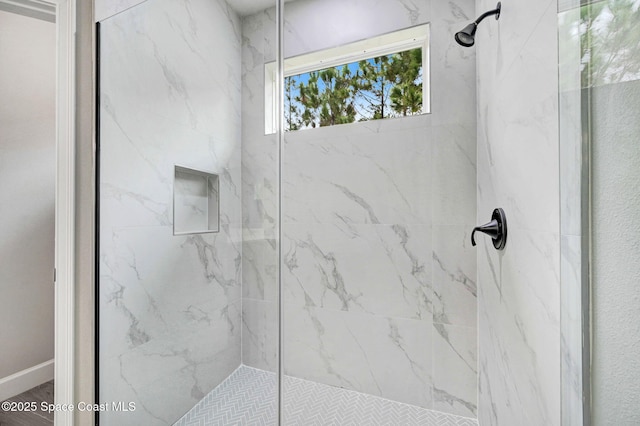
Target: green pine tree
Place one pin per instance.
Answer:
(382, 87)
(327, 98)
(406, 93)
(309, 98)
(374, 82)
(337, 97)
(293, 120)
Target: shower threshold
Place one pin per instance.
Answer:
(248, 397)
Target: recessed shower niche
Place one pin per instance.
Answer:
(196, 201)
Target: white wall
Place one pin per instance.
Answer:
(518, 156)
(616, 250)
(27, 175)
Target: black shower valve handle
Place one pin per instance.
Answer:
(491, 229)
(496, 229)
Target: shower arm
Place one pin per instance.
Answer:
(495, 11)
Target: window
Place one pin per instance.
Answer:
(381, 77)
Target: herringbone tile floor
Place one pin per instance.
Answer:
(248, 397)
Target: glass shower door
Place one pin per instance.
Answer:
(181, 216)
(378, 199)
(600, 159)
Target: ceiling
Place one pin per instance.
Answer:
(248, 7)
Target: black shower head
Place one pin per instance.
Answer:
(467, 36)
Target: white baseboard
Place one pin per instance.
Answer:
(24, 380)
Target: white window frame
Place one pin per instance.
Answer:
(385, 44)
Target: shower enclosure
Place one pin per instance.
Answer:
(284, 222)
(286, 191)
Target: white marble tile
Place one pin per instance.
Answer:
(260, 334)
(139, 147)
(358, 208)
(453, 77)
(519, 21)
(519, 330)
(453, 180)
(571, 163)
(168, 54)
(166, 376)
(455, 373)
(260, 197)
(454, 277)
(120, 390)
(153, 282)
(259, 268)
(571, 343)
(258, 40)
(360, 352)
(375, 269)
(260, 190)
(518, 146)
(375, 178)
(519, 335)
(170, 305)
(260, 183)
(519, 289)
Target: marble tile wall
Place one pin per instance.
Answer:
(518, 163)
(378, 272)
(170, 306)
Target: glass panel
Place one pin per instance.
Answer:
(574, 224)
(186, 320)
(600, 159)
(378, 273)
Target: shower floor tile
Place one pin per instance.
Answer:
(247, 397)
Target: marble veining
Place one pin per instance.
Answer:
(170, 305)
(332, 347)
(370, 280)
(519, 289)
(378, 269)
(378, 273)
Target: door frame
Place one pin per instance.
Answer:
(64, 295)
